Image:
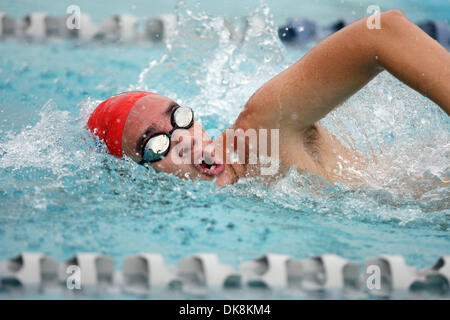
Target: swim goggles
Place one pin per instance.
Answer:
(158, 145)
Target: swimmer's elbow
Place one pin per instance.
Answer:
(392, 20)
(393, 14)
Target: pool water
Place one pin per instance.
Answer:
(59, 196)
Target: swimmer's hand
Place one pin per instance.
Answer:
(342, 64)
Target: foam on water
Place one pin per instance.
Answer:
(207, 70)
(61, 194)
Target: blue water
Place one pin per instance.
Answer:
(59, 197)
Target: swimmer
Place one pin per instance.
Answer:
(155, 131)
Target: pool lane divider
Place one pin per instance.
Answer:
(200, 275)
(127, 28)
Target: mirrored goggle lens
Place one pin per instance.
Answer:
(183, 117)
(156, 147)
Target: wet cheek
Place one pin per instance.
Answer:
(184, 172)
(159, 166)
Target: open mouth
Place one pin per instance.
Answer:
(210, 169)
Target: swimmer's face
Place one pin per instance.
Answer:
(152, 114)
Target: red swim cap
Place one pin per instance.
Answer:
(108, 119)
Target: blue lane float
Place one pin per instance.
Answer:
(300, 32)
(202, 274)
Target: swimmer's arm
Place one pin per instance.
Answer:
(342, 64)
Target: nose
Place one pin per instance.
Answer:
(193, 142)
(182, 142)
